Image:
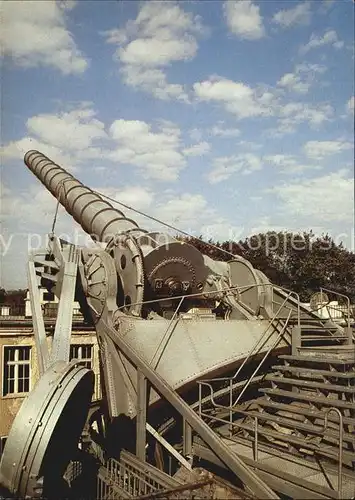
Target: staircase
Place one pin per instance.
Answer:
(299, 435)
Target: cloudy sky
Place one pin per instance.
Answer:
(221, 118)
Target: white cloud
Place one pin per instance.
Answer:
(156, 154)
(138, 197)
(236, 97)
(318, 150)
(243, 19)
(294, 113)
(225, 167)
(302, 78)
(300, 14)
(329, 198)
(153, 81)
(220, 131)
(195, 134)
(161, 34)
(350, 104)
(67, 137)
(199, 149)
(325, 6)
(35, 34)
(288, 164)
(330, 37)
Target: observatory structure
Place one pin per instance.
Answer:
(213, 378)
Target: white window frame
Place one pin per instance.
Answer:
(16, 363)
(80, 358)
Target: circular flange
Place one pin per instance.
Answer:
(46, 431)
(243, 275)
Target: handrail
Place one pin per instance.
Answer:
(256, 435)
(291, 292)
(339, 295)
(262, 361)
(230, 379)
(222, 379)
(340, 464)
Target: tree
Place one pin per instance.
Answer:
(302, 262)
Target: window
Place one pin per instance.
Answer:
(16, 376)
(48, 296)
(82, 352)
(2, 444)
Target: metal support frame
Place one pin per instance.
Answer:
(187, 439)
(37, 317)
(63, 326)
(133, 396)
(233, 461)
(348, 322)
(141, 415)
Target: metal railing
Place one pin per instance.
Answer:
(264, 417)
(262, 341)
(347, 300)
(129, 477)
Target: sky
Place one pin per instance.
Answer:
(224, 119)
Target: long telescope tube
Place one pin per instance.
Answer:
(97, 217)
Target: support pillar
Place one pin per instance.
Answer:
(141, 415)
(296, 339)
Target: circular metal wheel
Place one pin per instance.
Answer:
(46, 431)
(243, 275)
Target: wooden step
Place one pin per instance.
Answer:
(280, 464)
(315, 359)
(278, 478)
(329, 452)
(312, 384)
(311, 399)
(313, 372)
(324, 337)
(296, 424)
(299, 410)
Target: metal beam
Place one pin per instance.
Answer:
(234, 463)
(63, 326)
(141, 415)
(37, 317)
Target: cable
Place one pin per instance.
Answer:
(165, 224)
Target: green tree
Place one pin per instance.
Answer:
(302, 262)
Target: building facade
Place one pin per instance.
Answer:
(19, 369)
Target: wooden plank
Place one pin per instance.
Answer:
(304, 397)
(308, 383)
(314, 371)
(278, 479)
(268, 403)
(302, 443)
(296, 424)
(314, 359)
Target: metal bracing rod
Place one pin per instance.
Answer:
(166, 337)
(224, 453)
(37, 316)
(262, 361)
(133, 395)
(141, 415)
